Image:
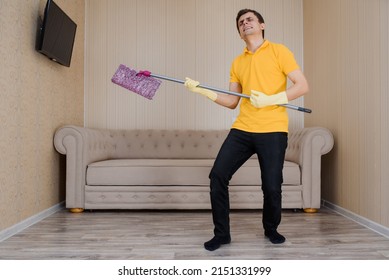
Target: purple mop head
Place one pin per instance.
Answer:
(142, 84)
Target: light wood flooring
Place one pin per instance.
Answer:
(169, 235)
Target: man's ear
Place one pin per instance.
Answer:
(262, 26)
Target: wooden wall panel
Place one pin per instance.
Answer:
(176, 38)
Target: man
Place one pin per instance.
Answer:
(261, 127)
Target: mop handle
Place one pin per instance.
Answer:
(290, 106)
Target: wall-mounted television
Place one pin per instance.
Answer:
(56, 34)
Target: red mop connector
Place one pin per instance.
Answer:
(144, 73)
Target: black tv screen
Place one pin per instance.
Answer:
(56, 35)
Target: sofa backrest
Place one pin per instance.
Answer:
(165, 143)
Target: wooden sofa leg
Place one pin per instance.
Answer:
(76, 210)
(310, 210)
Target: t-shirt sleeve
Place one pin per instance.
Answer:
(233, 76)
(287, 60)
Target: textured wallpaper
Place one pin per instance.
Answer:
(346, 54)
(36, 97)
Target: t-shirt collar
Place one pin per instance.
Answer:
(264, 44)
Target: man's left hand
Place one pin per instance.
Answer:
(259, 99)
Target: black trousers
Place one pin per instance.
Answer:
(238, 147)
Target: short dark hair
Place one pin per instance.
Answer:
(245, 11)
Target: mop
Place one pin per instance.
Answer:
(145, 84)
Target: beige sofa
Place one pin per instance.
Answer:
(168, 169)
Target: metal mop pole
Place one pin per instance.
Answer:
(290, 106)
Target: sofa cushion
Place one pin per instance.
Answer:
(161, 172)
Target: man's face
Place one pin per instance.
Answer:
(249, 25)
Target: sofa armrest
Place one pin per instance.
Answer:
(81, 146)
(305, 147)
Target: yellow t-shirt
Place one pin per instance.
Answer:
(265, 70)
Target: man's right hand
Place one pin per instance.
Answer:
(192, 85)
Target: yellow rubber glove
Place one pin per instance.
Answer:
(259, 99)
(192, 86)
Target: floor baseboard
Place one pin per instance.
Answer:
(358, 219)
(7, 233)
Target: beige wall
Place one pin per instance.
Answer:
(346, 60)
(346, 54)
(176, 38)
(36, 96)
